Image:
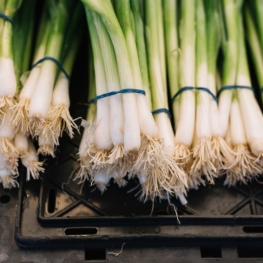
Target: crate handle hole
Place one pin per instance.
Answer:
(51, 201)
(4, 199)
(211, 252)
(250, 252)
(95, 254)
(76, 231)
(253, 229)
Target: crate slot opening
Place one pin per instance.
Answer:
(211, 252)
(253, 229)
(51, 201)
(74, 231)
(250, 252)
(4, 199)
(95, 254)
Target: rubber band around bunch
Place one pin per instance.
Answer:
(261, 89)
(55, 61)
(112, 93)
(186, 88)
(7, 18)
(231, 87)
(162, 110)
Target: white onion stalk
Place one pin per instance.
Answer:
(172, 47)
(9, 162)
(46, 145)
(8, 84)
(219, 146)
(7, 179)
(186, 122)
(86, 151)
(42, 95)
(228, 138)
(59, 116)
(165, 175)
(102, 134)
(29, 81)
(31, 162)
(7, 148)
(21, 144)
(101, 179)
(222, 151)
(41, 98)
(20, 110)
(118, 177)
(7, 69)
(115, 102)
(87, 147)
(203, 163)
(148, 128)
(231, 12)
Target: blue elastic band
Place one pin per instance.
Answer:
(230, 87)
(7, 18)
(112, 93)
(55, 61)
(193, 88)
(261, 89)
(162, 110)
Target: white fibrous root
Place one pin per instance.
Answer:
(101, 179)
(21, 144)
(31, 162)
(6, 103)
(46, 145)
(86, 152)
(8, 85)
(7, 179)
(60, 120)
(118, 178)
(183, 156)
(224, 154)
(244, 168)
(20, 115)
(203, 161)
(7, 148)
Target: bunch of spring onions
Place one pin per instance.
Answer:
(125, 137)
(43, 103)
(42, 107)
(239, 111)
(15, 58)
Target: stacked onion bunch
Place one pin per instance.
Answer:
(16, 41)
(240, 113)
(46, 84)
(124, 137)
(43, 103)
(192, 58)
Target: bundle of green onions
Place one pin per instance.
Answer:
(238, 108)
(127, 139)
(43, 103)
(15, 48)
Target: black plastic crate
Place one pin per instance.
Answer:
(60, 212)
(57, 212)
